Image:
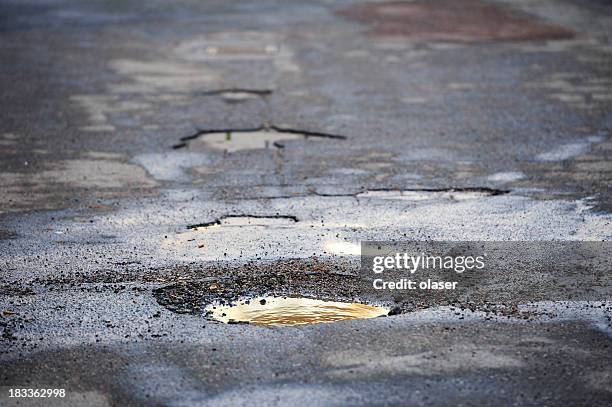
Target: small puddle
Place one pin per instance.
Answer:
(277, 311)
(232, 140)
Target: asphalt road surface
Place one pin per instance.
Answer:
(158, 156)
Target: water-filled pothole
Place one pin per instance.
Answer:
(291, 311)
(264, 137)
(237, 141)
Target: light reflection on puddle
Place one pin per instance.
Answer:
(277, 311)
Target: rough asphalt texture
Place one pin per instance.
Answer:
(494, 116)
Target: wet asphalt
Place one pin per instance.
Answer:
(122, 217)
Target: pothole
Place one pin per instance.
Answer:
(230, 283)
(463, 194)
(247, 220)
(237, 95)
(291, 311)
(332, 286)
(264, 137)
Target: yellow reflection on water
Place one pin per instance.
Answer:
(276, 311)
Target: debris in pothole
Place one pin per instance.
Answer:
(263, 137)
(291, 311)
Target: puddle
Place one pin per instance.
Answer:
(237, 141)
(276, 311)
(232, 140)
(457, 195)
